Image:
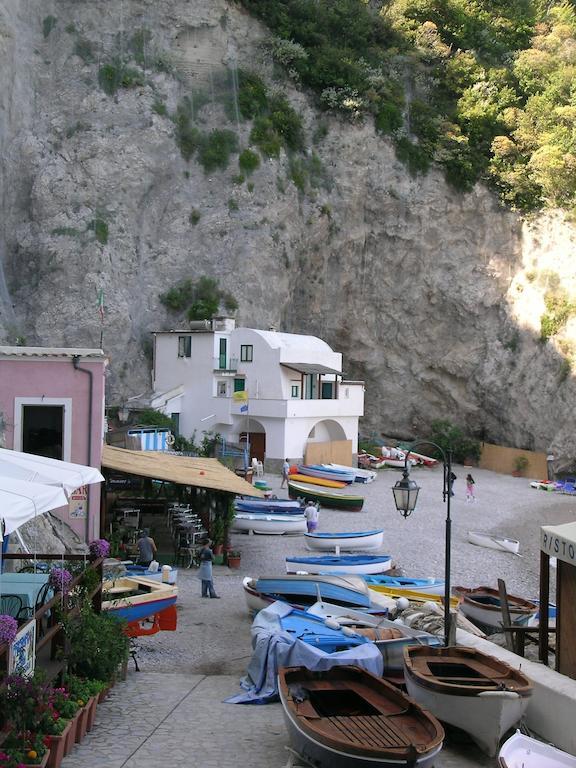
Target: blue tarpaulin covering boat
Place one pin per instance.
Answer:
(313, 630)
(355, 564)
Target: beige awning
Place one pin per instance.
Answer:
(183, 470)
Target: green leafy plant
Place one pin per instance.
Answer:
(115, 74)
(451, 437)
(97, 644)
(215, 149)
(48, 24)
(521, 463)
(194, 217)
(100, 228)
(248, 161)
(200, 299)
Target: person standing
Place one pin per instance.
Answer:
(470, 488)
(285, 472)
(451, 483)
(312, 515)
(205, 573)
(146, 548)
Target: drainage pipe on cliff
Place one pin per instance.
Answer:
(76, 364)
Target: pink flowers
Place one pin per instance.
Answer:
(8, 628)
(60, 579)
(99, 548)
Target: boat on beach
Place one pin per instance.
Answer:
(271, 506)
(483, 604)
(469, 689)
(134, 598)
(277, 525)
(346, 717)
(323, 482)
(401, 583)
(332, 500)
(415, 596)
(315, 631)
(336, 564)
(493, 541)
(360, 475)
(350, 540)
(346, 476)
(390, 637)
(521, 751)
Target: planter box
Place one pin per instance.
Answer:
(71, 736)
(92, 705)
(233, 562)
(39, 765)
(57, 747)
(82, 724)
(218, 559)
(103, 694)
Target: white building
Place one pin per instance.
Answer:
(295, 394)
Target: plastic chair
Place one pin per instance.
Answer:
(12, 605)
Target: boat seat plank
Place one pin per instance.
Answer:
(374, 730)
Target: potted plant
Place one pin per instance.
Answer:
(97, 645)
(217, 535)
(25, 703)
(233, 559)
(520, 466)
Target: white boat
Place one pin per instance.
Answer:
(483, 605)
(390, 637)
(469, 689)
(339, 564)
(362, 475)
(269, 524)
(346, 541)
(493, 541)
(521, 751)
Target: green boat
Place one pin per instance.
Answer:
(325, 498)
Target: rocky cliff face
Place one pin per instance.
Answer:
(434, 298)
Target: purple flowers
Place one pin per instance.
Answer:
(8, 628)
(60, 579)
(99, 548)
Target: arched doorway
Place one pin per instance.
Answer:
(257, 439)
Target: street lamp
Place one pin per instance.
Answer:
(405, 495)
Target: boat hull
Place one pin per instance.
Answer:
(471, 690)
(307, 589)
(331, 500)
(500, 543)
(489, 613)
(321, 754)
(521, 751)
(157, 598)
(325, 482)
(351, 541)
(342, 476)
(360, 475)
(425, 586)
(269, 525)
(339, 565)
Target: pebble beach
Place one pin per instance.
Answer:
(208, 653)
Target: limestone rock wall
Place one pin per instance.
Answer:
(433, 297)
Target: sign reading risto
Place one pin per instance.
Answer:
(559, 543)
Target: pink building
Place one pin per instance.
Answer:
(52, 404)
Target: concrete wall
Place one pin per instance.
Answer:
(500, 459)
(551, 712)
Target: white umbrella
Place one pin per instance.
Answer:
(41, 469)
(21, 500)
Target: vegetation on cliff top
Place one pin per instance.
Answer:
(484, 88)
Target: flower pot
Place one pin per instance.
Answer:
(57, 747)
(71, 736)
(92, 705)
(218, 549)
(233, 562)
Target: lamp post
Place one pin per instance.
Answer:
(405, 495)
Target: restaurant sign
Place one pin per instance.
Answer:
(559, 541)
(22, 656)
(78, 502)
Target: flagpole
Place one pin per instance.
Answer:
(248, 429)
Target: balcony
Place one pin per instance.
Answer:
(223, 365)
(282, 409)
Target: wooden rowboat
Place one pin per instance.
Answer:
(134, 598)
(347, 541)
(347, 718)
(521, 751)
(494, 542)
(415, 596)
(483, 605)
(269, 524)
(346, 502)
(320, 471)
(340, 564)
(469, 689)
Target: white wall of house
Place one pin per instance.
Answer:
(192, 378)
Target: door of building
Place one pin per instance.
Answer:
(257, 444)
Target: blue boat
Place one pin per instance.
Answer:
(340, 564)
(312, 630)
(305, 590)
(274, 507)
(434, 586)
